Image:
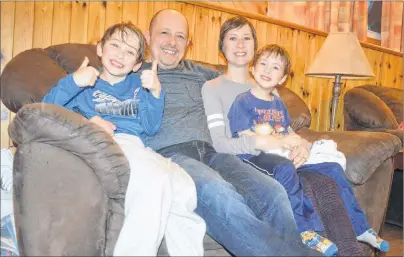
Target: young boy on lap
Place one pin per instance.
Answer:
(259, 111)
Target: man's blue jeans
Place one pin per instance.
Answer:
(246, 211)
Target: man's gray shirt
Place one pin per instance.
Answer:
(184, 115)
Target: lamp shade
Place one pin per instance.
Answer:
(341, 54)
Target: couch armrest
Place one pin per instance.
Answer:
(397, 133)
(55, 125)
(367, 110)
(60, 207)
(364, 151)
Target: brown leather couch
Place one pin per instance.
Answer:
(68, 202)
(377, 108)
(374, 108)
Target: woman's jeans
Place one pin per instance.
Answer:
(246, 211)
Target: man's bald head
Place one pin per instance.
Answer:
(168, 38)
(163, 13)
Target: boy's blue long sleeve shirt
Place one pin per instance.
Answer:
(126, 104)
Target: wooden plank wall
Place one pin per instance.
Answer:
(255, 7)
(25, 25)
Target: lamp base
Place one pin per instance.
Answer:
(336, 91)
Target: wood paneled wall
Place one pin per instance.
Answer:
(254, 7)
(25, 25)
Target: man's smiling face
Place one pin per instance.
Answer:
(168, 38)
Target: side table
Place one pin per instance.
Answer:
(394, 213)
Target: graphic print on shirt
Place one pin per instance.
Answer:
(272, 117)
(268, 116)
(108, 104)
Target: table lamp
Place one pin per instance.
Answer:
(341, 56)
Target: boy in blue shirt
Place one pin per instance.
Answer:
(161, 197)
(261, 112)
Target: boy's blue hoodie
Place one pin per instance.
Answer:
(126, 104)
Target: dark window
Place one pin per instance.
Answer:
(374, 19)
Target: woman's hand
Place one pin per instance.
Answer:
(300, 153)
(290, 141)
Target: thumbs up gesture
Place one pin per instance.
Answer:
(151, 81)
(85, 75)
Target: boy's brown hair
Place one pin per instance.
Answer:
(234, 23)
(275, 50)
(125, 28)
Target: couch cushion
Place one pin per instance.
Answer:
(392, 97)
(297, 108)
(364, 151)
(70, 56)
(397, 133)
(368, 110)
(299, 113)
(218, 67)
(28, 77)
(209, 245)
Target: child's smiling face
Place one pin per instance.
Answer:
(269, 71)
(119, 55)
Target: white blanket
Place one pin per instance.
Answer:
(322, 151)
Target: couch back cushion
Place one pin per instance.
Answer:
(392, 97)
(32, 73)
(298, 110)
(70, 56)
(28, 77)
(365, 110)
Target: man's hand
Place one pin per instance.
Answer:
(85, 75)
(151, 81)
(109, 127)
(300, 153)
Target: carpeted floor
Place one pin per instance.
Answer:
(393, 234)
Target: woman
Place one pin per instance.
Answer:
(238, 44)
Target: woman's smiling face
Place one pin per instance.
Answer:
(238, 46)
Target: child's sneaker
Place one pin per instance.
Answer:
(319, 243)
(371, 237)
